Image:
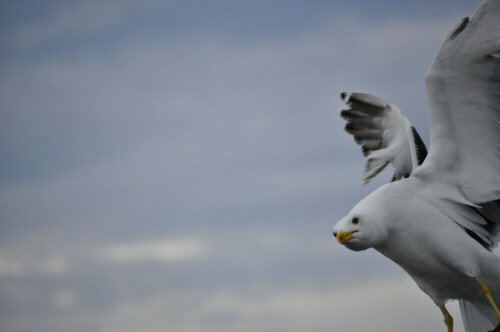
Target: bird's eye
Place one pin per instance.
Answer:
(355, 221)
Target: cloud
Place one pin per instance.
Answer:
(376, 305)
(203, 109)
(11, 268)
(227, 155)
(71, 20)
(65, 298)
(15, 266)
(165, 251)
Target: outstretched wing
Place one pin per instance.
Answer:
(463, 92)
(385, 135)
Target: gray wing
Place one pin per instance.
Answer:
(463, 92)
(385, 135)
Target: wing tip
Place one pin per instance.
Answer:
(363, 99)
(458, 28)
(345, 96)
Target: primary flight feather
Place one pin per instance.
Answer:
(439, 218)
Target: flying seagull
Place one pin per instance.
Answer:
(439, 217)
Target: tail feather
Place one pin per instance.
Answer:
(477, 317)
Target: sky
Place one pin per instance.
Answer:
(179, 165)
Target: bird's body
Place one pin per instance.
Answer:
(438, 254)
(440, 216)
(443, 272)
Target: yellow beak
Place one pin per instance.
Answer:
(343, 237)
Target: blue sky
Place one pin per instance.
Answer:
(179, 165)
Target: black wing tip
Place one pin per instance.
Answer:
(459, 28)
(359, 98)
(421, 150)
(345, 97)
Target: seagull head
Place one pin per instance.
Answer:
(366, 226)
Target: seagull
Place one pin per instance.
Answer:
(439, 217)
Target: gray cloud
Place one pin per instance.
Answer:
(232, 150)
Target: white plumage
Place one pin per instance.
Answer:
(440, 220)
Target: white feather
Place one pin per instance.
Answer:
(441, 223)
(463, 92)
